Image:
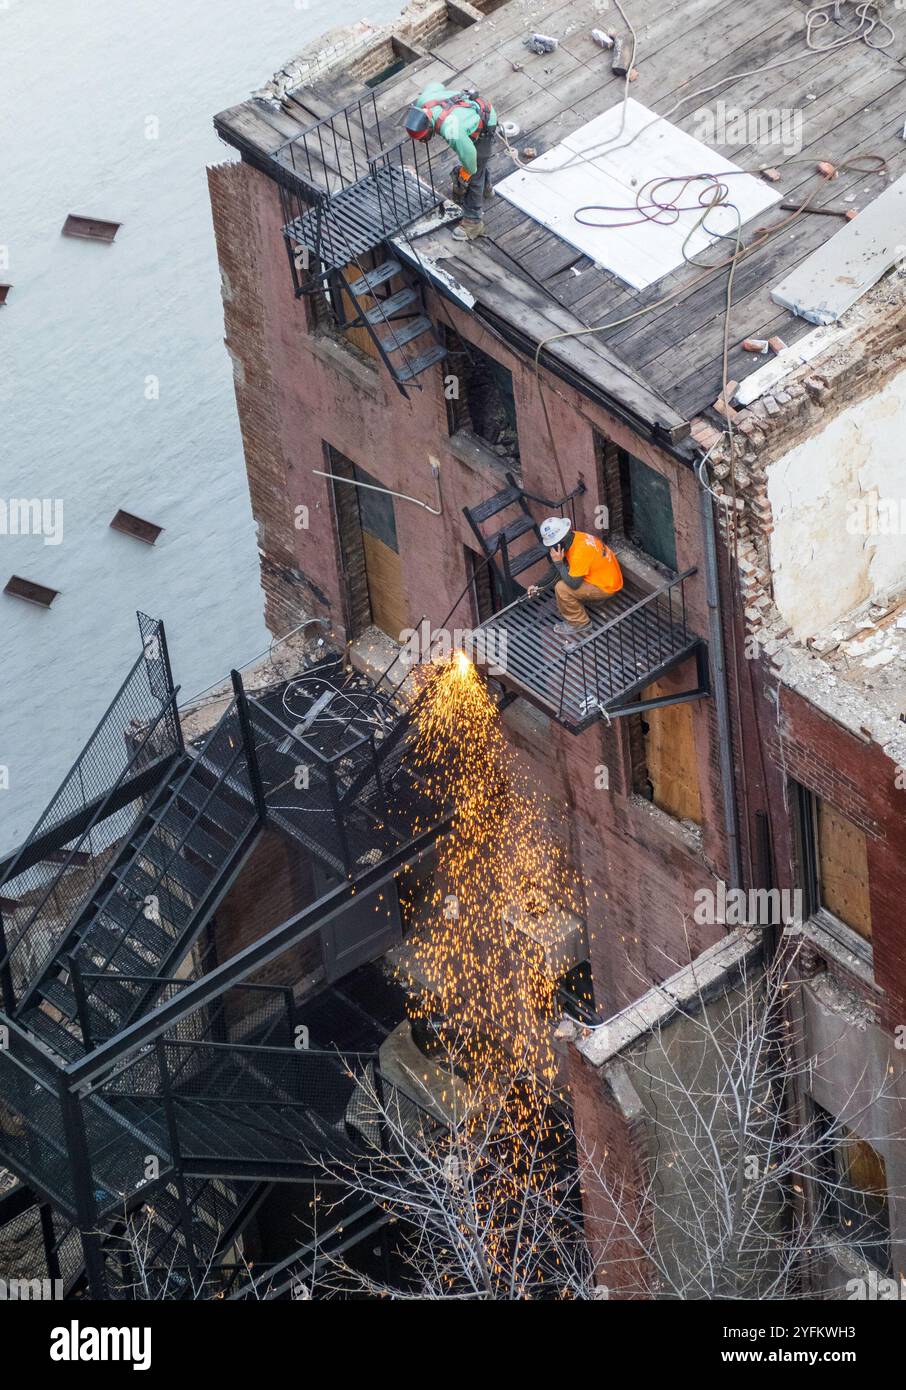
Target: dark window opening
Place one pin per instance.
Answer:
(480, 398)
(131, 525)
(640, 508)
(835, 864)
(576, 992)
(30, 591)
(94, 228)
(852, 1189)
(486, 597)
(396, 55)
(4, 293)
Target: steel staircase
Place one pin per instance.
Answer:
(496, 545)
(406, 339)
(102, 908)
(155, 898)
(344, 196)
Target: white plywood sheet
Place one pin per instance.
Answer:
(831, 279)
(595, 165)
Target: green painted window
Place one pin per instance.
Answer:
(647, 510)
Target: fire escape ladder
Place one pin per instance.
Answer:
(158, 894)
(344, 195)
(496, 545)
(406, 339)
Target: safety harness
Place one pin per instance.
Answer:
(443, 107)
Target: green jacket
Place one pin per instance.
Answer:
(459, 125)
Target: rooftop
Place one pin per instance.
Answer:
(751, 81)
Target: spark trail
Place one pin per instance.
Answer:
(498, 869)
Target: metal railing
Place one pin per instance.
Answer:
(341, 162)
(649, 633)
(103, 795)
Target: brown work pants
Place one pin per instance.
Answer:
(571, 602)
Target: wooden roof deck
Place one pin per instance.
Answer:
(661, 360)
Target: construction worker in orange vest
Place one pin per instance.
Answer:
(584, 571)
(468, 124)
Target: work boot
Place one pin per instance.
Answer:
(488, 193)
(570, 633)
(469, 230)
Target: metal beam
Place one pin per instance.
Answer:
(246, 962)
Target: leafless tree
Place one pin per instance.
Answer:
(482, 1208)
(744, 1186)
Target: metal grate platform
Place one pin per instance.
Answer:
(339, 230)
(633, 639)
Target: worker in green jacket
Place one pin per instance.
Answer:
(468, 124)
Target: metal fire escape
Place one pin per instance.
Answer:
(131, 1080)
(633, 639)
(344, 196)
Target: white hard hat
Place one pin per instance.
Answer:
(553, 529)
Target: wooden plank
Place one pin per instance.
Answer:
(670, 756)
(538, 315)
(843, 869)
(831, 279)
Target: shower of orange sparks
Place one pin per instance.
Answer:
(499, 869)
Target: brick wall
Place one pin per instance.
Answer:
(297, 389)
(275, 883)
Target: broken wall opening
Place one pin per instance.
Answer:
(480, 398)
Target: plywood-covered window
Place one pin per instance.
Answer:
(836, 864)
(369, 550)
(855, 1189)
(664, 766)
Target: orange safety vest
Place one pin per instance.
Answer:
(595, 562)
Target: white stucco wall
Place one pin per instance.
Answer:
(839, 513)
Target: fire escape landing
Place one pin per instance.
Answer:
(345, 194)
(633, 639)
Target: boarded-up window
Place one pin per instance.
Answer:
(663, 751)
(369, 550)
(855, 1189)
(842, 868)
(361, 336)
(131, 525)
(31, 591)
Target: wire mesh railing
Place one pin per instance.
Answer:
(131, 747)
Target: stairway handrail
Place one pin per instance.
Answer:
(98, 815)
